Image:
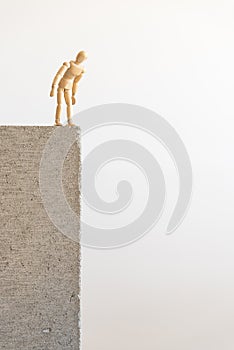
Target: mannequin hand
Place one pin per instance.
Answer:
(73, 100)
(52, 92)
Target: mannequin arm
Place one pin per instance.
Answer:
(75, 84)
(58, 76)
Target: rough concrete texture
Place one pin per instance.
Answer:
(39, 266)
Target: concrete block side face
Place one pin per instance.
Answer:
(39, 266)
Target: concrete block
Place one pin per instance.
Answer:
(39, 266)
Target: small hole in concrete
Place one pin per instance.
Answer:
(46, 330)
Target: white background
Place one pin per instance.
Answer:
(177, 58)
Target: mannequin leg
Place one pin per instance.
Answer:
(59, 106)
(68, 99)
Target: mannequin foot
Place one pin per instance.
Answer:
(70, 123)
(57, 123)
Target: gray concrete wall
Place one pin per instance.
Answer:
(39, 266)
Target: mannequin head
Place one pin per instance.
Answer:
(82, 56)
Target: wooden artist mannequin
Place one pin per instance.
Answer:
(67, 79)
